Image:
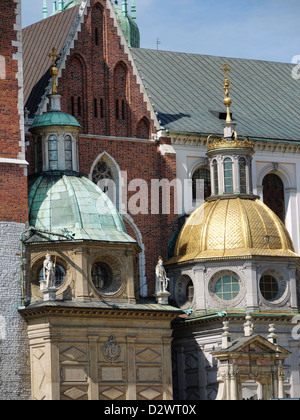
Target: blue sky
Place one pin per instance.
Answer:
(256, 29)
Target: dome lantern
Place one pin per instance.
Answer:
(55, 132)
(230, 158)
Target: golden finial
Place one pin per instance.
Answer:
(227, 87)
(54, 70)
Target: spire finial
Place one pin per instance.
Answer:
(227, 87)
(124, 8)
(54, 70)
(61, 5)
(54, 7)
(133, 10)
(45, 9)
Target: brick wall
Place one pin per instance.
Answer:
(98, 83)
(14, 349)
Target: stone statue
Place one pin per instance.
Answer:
(47, 284)
(49, 272)
(162, 280)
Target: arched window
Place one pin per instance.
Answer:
(273, 193)
(216, 179)
(243, 176)
(120, 90)
(39, 154)
(201, 174)
(53, 153)
(143, 129)
(102, 175)
(68, 153)
(228, 178)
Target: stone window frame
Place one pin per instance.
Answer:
(117, 285)
(283, 286)
(212, 280)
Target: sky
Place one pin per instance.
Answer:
(256, 29)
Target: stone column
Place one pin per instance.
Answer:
(251, 285)
(131, 368)
(167, 368)
(199, 287)
(82, 274)
(93, 391)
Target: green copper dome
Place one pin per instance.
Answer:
(60, 202)
(128, 25)
(57, 118)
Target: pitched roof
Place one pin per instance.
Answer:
(186, 91)
(38, 41)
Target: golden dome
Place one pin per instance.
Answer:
(232, 228)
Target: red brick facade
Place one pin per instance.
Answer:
(100, 89)
(13, 181)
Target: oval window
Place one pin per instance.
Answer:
(269, 287)
(101, 276)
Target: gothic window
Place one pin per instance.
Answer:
(101, 171)
(68, 153)
(201, 174)
(143, 129)
(216, 179)
(243, 179)
(120, 92)
(228, 178)
(53, 153)
(273, 193)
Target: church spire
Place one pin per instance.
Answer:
(124, 8)
(133, 10)
(61, 5)
(54, 7)
(45, 9)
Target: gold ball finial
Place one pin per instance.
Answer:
(227, 86)
(54, 70)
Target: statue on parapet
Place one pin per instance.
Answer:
(162, 282)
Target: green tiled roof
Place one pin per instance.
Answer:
(186, 92)
(58, 201)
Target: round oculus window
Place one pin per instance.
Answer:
(60, 276)
(227, 288)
